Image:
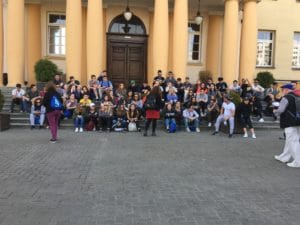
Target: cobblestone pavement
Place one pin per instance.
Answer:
(126, 179)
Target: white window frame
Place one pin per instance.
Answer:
(261, 49)
(49, 25)
(296, 52)
(189, 52)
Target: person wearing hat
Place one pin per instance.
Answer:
(286, 111)
(227, 114)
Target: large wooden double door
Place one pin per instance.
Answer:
(126, 58)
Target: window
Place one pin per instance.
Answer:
(121, 26)
(56, 34)
(194, 43)
(265, 49)
(296, 51)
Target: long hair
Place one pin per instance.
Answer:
(156, 91)
(50, 87)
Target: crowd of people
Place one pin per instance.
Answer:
(101, 106)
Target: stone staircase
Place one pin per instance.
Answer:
(21, 120)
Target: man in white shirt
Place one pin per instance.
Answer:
(190, 116)
(227, 114)
(18, 95)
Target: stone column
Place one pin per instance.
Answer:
(180, 38)
(15, 41)
(248, 40)
(160, 36)
(33, 50)
(214, 45)
(1, 42)
(230, 41)
(94, 37)
(74, 38)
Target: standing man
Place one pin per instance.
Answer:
(288, 112)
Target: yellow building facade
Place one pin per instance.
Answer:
(86, 37)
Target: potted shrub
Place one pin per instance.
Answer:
(265, 79)
(204, 76)
(45, 71)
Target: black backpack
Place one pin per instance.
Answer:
(295, 115)
(150, 102)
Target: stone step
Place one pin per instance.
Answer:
(19, 119)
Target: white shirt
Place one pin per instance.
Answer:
(17, 93)
(257, 88)
(188, 114)
(228, 108)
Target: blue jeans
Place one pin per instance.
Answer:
(79, 122)
(169, 121)
(188, 123)
(20, 102)
(33, 117)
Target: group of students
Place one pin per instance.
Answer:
(99, 106)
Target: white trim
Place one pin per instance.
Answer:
(262, 43)
(296, 47)
(200, 33)
(48, 24)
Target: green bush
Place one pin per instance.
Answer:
(45, 70)
(235, 97)
(265, 79)
(1, 100)
(204, 76)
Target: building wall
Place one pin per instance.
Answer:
(283, 17)
(45, 9)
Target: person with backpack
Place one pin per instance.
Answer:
(152, 105)
(54, 104)
(289, 112)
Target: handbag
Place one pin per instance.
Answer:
(132, 127)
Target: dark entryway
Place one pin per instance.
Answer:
(127, 51)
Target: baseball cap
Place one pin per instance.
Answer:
(288, 86)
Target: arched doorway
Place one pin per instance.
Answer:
(127, 50)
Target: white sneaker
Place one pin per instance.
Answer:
(277, 157)
(245, 135)
(209, 124)
(197, 130)
(76, 129)
(188, 129)
(293, 165)
(261, 120)
(80, 130)
(253, 136)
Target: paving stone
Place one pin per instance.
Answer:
(126, 179)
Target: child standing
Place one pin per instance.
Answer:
(245, 112)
